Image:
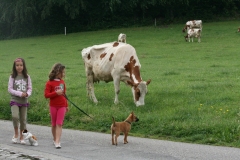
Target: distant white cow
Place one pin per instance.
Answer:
(122, 38)
(194, 32)
(115, 62)
(192, 24)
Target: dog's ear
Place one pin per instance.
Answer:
(132, 116)
(24, 131)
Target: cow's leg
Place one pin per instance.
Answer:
(116, 81)
(90, 85)
(117, 89)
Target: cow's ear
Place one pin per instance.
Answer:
(148, 82)
(130, 83)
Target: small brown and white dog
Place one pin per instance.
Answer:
(122, 127)
(31, 138)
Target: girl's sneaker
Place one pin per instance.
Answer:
(14, 140)
(58, 146)
(22, 141)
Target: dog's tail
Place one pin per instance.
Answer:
(113, 120)
(34, 138)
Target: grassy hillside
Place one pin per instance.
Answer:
(193, 97)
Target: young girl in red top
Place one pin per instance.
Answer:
(55, 90)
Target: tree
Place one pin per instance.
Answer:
(37, 17)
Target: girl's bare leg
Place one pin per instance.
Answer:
(54, 133)
(58, 133)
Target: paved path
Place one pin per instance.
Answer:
(81, 145)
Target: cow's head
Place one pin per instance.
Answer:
(139, 91)
(122, 37)
(185, 28)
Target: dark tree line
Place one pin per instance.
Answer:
(22, 18)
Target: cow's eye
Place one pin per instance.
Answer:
(137, 94)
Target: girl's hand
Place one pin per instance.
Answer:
(24, 94)
(59, 92)
(67, 109)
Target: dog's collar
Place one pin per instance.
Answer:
(128, 122)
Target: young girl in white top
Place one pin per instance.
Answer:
(20, 88)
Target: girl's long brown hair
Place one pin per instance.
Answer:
(14, 71)
(56, 69)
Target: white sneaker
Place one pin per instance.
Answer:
(22, 142)
(14, 140)
(58, 146)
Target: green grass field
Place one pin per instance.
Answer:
(193, 97)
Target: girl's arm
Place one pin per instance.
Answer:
(29, 87)
(11, 90)
(48, 93)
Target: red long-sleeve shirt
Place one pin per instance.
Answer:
(50, 92)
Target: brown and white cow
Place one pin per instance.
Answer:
(239, 29)
(194, 32)
(192, 24)
(115, 62)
